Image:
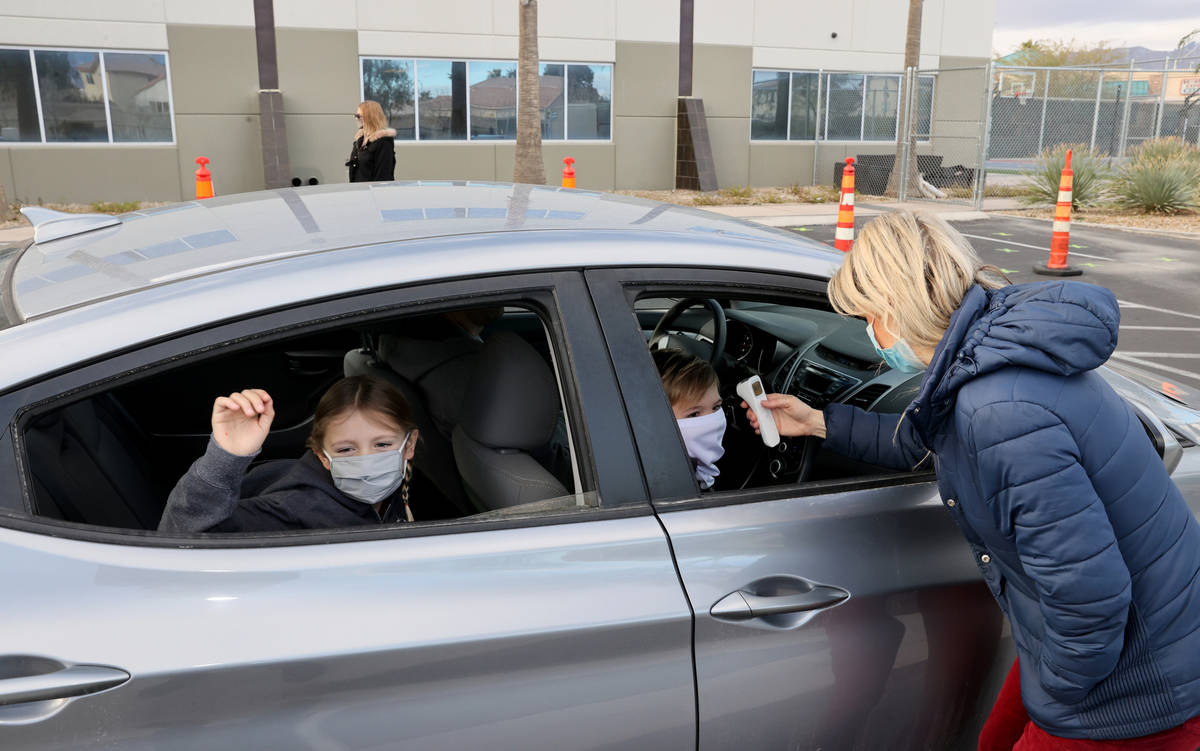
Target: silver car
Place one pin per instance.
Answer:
(566, 585)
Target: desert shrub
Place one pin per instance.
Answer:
(1162, 176)
(738, 191)
(1169, 148)
(1041, 183)
(1158, 185)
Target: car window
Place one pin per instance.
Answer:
(482, 384)
(792, 347)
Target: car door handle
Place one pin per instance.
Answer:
(742, 605)
(76, 680)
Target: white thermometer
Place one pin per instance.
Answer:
(753, 392)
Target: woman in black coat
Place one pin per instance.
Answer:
(373, 153)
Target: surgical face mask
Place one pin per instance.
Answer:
(702, 438)
(899, 356)
(369, 477)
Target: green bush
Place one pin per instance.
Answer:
(1170, 148)
(1041, 183)
(1162, 176)
(1158, 185)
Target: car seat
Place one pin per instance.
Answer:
(511, 408)
(90, 465)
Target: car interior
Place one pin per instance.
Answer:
(481, 384)
(484, 392)
(813, 354)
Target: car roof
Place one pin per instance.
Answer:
(170, 244)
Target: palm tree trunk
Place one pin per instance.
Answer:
(529, 167)
(905, 131)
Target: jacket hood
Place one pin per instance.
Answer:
(1058, 327)
(384, 133)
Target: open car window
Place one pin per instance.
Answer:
(794, 348)
(490, 447)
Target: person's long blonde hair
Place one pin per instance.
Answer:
(373, 120)
(913, 267)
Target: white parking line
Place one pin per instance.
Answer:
(1176, 355)
(1161, 328)
(1128, 304)
(1002, 241)
(1155, 366)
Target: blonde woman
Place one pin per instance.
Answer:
(1083, 539)
(373, 154)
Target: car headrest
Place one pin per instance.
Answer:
(512, 398)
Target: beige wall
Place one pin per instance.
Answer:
(56, 174)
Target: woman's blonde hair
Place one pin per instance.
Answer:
(913, 267)
(373, 120)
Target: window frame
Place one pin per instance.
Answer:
(823, 96)
(669, 475)
(101, 51)
(467, 61)
(567, 327)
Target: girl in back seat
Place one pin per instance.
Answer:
(357, 471)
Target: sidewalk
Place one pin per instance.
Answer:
(811, 214)
(16, 234)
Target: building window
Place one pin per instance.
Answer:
(18, 98)
(84, 96)
(806, 105)
(458, 100)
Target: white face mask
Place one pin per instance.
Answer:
(369, 477)
(702, 438)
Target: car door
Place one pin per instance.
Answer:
(551, 631)
(839, 614)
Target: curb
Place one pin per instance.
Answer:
(1079, 224)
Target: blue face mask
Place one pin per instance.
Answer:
(899, 356)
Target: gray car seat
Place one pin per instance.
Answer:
(511, 408)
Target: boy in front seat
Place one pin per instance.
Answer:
(691, 386)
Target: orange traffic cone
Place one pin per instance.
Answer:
(204, 187)
(568, 178)
(843, 238)
(1060, 237)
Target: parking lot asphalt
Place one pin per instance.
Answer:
(1156, 279)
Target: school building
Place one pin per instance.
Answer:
(114, 100)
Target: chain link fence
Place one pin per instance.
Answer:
(1107, 110)
(949, 145)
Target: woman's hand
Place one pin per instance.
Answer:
(792, 416)
(241, 421)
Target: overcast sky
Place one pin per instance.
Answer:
(1157, 24)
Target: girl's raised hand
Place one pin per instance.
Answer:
(241, 421)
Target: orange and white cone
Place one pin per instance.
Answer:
(843, 237)
(1060, 238)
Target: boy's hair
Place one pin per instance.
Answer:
(683, 374)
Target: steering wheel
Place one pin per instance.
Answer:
(660, 339)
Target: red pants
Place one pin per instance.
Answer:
(1008, 728)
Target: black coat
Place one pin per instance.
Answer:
(374, 160)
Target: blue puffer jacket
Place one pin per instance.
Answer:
(1082, 537)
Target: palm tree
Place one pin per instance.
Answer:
(529, 167)
(912, 58)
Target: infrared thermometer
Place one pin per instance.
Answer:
(753, 392)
